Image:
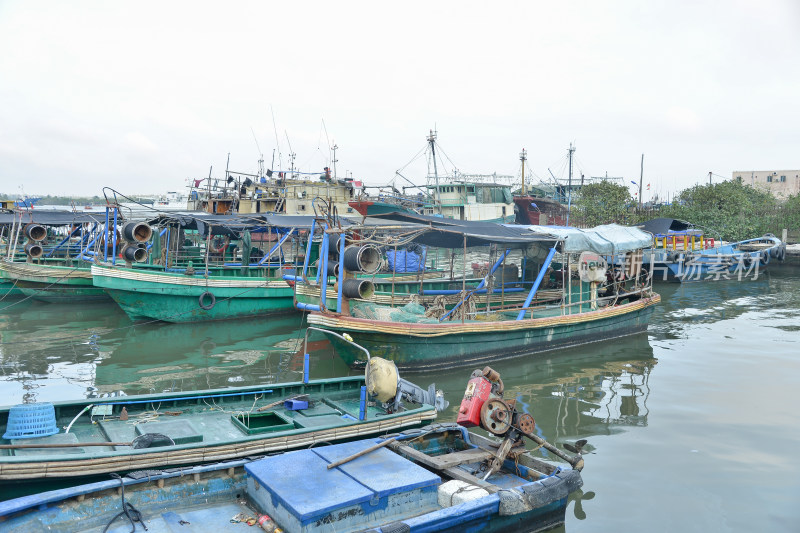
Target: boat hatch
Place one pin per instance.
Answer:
(364, 491)
(180, 431)
(262, 422)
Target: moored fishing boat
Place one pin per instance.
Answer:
(595, 303)
(437, 478)
(75, 439)
(682, 253)
(53, 264)
(219, 273)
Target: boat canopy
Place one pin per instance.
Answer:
(662, 226)
(450, 233)
(51, 217)
(608, 239)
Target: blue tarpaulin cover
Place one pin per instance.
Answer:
(404, 261)
(608, 239)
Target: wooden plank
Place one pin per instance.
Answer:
(453, 472)
(463, 475)
(449, 460)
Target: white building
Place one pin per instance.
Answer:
(781, 183)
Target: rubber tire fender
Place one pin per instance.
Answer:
(207, 306)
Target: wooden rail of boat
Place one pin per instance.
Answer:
(400, 298)
(347, 323)
(147, 459)
(180, 279)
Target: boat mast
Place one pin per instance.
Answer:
(334, 148)
(569, 191)
(641, 178)
(522, 157)
(432, 141)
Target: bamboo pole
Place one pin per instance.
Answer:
(359, 454)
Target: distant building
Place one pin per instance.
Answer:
(781, 183)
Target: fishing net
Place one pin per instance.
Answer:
(411, 313)
(147, 440)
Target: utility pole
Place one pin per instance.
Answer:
(709, 177)
(432, 141)
(641, 178)
(522, 157)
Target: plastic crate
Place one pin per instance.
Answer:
(31, 420)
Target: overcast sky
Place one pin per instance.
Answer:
(139, 96)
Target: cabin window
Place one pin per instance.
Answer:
(302, 207)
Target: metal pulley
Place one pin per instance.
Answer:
(496, 416)
(525, 423)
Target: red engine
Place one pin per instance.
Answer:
(479, 390)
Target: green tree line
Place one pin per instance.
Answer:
(729, 210)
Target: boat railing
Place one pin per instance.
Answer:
(682, 241)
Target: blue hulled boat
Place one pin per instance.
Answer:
(427, 479)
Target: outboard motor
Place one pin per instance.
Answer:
(484, 406)
(385, 385)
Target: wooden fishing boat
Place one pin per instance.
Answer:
(44, 257)
(422, 480)
(53, 281)
(440, 477)
(196, 276)
(154, 294)
(582, 301)
(681, 253)
(9, 290)
(74, 439)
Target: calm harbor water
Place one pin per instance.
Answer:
(691, 427)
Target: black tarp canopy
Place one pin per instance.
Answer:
(48, 217)
(450, 233)
(662, 226)
(234, 225)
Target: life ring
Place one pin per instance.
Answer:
(202, 301)
(220, 248)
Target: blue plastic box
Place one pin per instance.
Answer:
(304, 496)
(295, 405)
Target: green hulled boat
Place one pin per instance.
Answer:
(9, 289)
(50, 261)
(149, 292)
(73, 440)
(574, 299)
(53, 280)
(434, 345)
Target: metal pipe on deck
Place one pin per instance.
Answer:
(480, 285)
(536, 283)
(308, 251)
(323, 265)
(342, 274)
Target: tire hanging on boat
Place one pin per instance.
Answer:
(202, 301)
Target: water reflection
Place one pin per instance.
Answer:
(54, 352)
(157, 357)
